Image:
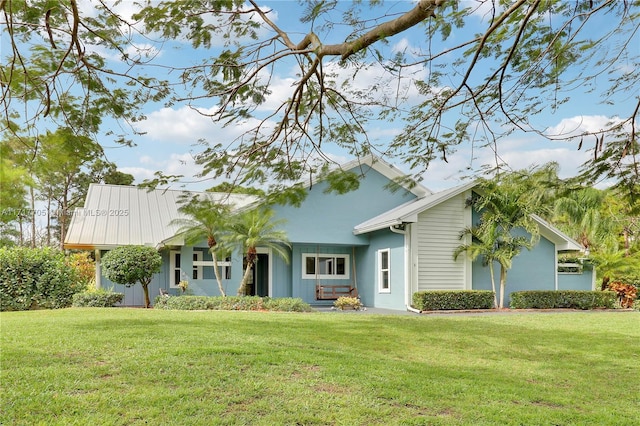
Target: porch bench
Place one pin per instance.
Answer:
(332, 292)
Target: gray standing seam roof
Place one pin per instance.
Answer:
(116, 215)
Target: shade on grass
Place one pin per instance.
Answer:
(134, 366)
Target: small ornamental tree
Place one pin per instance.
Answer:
(128, 265)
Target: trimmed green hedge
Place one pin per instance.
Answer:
(96, 299)
(232, 303)
(36, 279)
(453, 300)
(573, 299)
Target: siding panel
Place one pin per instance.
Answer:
(438, 231)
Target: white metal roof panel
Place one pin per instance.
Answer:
(115, 215)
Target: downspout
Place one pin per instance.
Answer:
(556, 267)
(98, 283)
(407, 261)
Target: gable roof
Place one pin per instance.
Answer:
(408, 213)
(115, 215)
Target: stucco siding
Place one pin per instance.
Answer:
(531, 270)
(583, 281)
(328, 218)
(305, 288)
(368, 267)
(437, 235)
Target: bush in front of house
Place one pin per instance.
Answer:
(96, 299)
(36, 279)
(436, 300)
(563, 299)
(231, 303)
(128, 265)
(345, 302)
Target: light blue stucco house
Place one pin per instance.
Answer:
(386, 244)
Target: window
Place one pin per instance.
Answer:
(197, 267)
(174, 267)
(225, 265)
(384, 285)
(325, 266)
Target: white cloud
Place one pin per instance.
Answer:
(185, 125)
(575, 126)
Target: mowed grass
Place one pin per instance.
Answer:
(134, 366)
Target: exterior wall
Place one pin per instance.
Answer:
(531, 270)
(436, 236)
(305, 288)
(583, 281)
(329, 218)
(367, 270)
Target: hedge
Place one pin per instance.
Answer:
(453, 300)
(231, 303)
(572, 299)
(36, 279)
(96, 299)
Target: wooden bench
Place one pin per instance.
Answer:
(332, 292)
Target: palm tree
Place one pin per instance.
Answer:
(505, 209)
(256, 228)
(483, 244)
(205, 219)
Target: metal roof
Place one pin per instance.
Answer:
(116, 215)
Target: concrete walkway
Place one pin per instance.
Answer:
(479, 312)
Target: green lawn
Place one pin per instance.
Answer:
(135, 366)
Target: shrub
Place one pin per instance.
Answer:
(84, 266)
(96, 299)
(231, 303)
(35, 279)
(572, 299)
(453, 300)
(128, 265)
(287, 304)
(348, 302)
(627, 293)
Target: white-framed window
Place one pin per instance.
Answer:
(175, 268)
(175, 272)
(384, 271)
(197, 265)
(325, 266)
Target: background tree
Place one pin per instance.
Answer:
(473, 87)
(128, 265)
(204, 220)
(13, 205)
(251, 229)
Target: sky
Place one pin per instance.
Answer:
(170, 137)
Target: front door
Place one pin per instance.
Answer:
(261, 275)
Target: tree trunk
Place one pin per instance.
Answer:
(147, 302)
(217, 273)
(493, 285)
(243, 284)
(503, 284)
(33, 217)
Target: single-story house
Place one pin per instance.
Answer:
(385, 243)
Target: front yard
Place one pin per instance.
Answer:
(134, 366)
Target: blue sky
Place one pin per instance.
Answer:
(171, 133)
